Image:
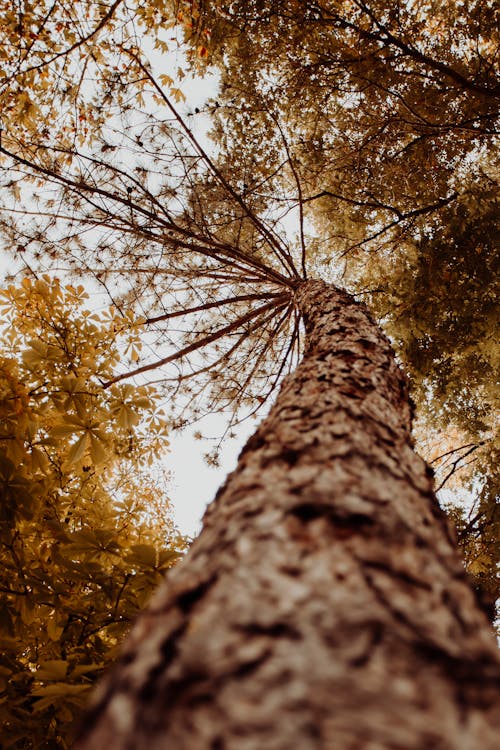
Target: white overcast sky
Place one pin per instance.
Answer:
(194, 483)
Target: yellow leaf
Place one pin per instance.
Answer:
(54, 630)
(166, 80)
(178, 95)
(98, 450)
(39, 460)
(77, 450)
(27, 611)
(83, 669)
(144, 554)
(54, 669)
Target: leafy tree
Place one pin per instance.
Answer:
(85, 536)
(343, 601)
(389, 125)
(60, 65)
(376, 96)
(438, 303)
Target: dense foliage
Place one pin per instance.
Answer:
(85, 533)
(439, 306)
(61, 70)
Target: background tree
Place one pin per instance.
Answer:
(85, 533)
(61, 71)
(390, 123)
(439, 305)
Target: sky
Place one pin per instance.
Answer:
(193, 482)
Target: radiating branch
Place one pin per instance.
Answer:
(210, 338)
(210, 305)
(276, 246)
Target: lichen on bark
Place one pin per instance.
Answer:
(324, 604)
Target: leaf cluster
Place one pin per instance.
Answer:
(380, 105)
(438, 297)
(61, 66)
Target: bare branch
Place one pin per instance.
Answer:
(276, 246)
(201, 343)
(210, 305)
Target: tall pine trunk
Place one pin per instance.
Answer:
(324, 604)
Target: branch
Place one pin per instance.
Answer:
(64, 53)
(470, 525)
(455, 465)
(209, 305)
(352, 201)
(385, 36)
(214, 248)
(403, 217)
(199, 344)
(262, 352)
(227, 354)
(455, 450)
(276, 247)
(299, 195)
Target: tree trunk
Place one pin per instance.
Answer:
(324, 604)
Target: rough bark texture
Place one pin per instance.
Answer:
(324, 604)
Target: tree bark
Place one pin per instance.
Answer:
(324, 604)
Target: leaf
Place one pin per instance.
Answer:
(68, 427)
(54, 628)
(84, 669)
(166, 80)
(77, 450)
(27, 610)
(99, 450)
(39, 460)
(51, 694)
(168, 557)
(64, 714)
(5, 676)
(178, 95)
(54, 669)
(127, 417)
(144, 554)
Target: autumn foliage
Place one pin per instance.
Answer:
(86, 533)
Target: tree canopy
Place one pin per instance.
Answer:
(86, 533)
(385, 119)
(61, 67)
